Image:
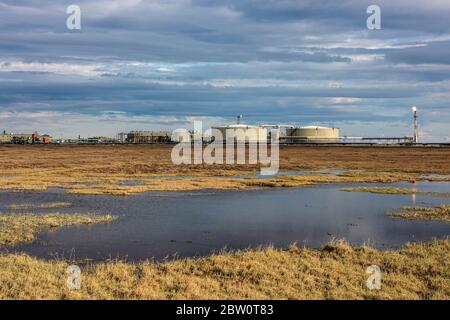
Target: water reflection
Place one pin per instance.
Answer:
(414, 191)
(161, 224)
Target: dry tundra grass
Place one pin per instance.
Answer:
(101, 169)
(155, 159)
(338, 271)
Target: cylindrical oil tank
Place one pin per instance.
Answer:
(239, 133)
(313, 134)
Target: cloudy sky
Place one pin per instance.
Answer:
(160, 64)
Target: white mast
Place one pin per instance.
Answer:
(416, 128)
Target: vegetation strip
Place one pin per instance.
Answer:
(101, 185)
(395, 190)
(440, 213)
(52, 205)
(21, 228)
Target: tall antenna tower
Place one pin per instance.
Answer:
(416, 127)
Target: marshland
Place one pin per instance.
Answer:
(141, 227)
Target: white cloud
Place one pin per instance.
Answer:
(342, 100)
(86, 70)
(364, 57)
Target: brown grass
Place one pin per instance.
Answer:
(100, 169)
(417, 271)
(155, 159)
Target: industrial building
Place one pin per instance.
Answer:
(313, 134)
(148, 137)
(5, 138)
(16, 138)
(121, 137)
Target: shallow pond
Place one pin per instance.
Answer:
(162, 224)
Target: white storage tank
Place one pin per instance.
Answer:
(239, 133)
(313, 134)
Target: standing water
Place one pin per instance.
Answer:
(163, 224)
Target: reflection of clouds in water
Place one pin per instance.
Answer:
(233, 219)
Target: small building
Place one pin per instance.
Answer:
(239, 133)
(46, 138)
(312, 134)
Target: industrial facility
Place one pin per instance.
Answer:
(285, 133)
(25, 138)
(237, 133)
